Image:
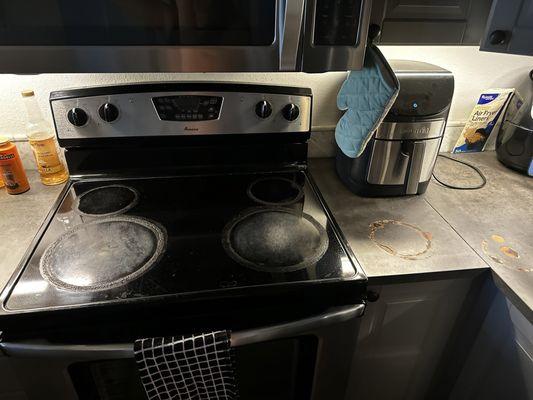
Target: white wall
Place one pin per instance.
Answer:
(474, 71)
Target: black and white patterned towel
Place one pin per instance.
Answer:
(194, 367)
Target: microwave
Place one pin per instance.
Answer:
(48, 36)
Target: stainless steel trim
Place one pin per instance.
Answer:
(415, 168)
(125, 350)
(430, 157)
(410, 130)
(290, 28)
(334, 58)
(388, 164)
(139, 118)
(76, 59)
(83, 59)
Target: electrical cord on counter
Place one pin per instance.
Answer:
(481, 175)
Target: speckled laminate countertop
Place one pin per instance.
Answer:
(20, 218)
(443, 230)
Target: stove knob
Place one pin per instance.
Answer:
(263, 109)
(290, 112)
(108, 112)
(77, 116)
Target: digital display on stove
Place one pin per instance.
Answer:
(188, 107)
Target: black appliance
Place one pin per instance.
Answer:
(514, 144)
(190, 208)
(399, 158)
(182, 35)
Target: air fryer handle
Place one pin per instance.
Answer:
(416, 159)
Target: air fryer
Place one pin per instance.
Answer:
(399, 158)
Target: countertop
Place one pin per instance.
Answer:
(20, 218)
(443, 230)
(496, 221)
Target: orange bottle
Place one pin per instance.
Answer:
(11, 169)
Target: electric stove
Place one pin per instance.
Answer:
(182, 192)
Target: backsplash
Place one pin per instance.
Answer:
(473, 70)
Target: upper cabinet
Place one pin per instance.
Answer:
(431, 22)
(509, 27)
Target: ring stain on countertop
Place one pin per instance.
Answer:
(503, 254)
(400, 239)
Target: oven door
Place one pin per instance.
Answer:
(303, 359)
(149, 35)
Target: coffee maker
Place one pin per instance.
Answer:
(399, 158)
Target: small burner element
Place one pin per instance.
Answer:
(275, 191)
(275, 240)
(103, 254)
(108, 200)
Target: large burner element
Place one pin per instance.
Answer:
(275, 191)
(103, 254)
(107, 200)
(275, 240)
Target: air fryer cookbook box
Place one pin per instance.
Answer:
(486, 119)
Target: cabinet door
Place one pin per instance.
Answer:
(510, 27)
(403, 337)
(433, 21)
(500, 362)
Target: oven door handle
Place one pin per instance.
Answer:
(40, 349)
(298, 327)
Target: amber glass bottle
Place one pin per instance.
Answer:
(43, 143)
(11, 169)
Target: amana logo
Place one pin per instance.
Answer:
(190, 129)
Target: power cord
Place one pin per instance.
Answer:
(481, 175)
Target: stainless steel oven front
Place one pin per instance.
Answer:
(39, 36)
(307, 358)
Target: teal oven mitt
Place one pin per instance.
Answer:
(366, 95)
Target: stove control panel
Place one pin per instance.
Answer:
(174, 109)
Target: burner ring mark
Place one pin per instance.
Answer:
(46, 262)
(319, 251)
(290, 185)
(91, 192)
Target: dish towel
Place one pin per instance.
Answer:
(366, 95)
(195, 367)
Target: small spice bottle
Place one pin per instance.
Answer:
(11, 169)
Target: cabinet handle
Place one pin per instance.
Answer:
(498, 37)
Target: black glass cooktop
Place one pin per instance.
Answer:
(117, 240)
